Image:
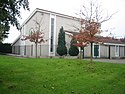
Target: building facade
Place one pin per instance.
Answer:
(51, 22)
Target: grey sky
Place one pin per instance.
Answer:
(116, 25)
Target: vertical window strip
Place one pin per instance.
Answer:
(52, 35)
(116, 50)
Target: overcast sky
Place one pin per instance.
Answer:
(116, 25)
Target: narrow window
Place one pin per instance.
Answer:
(52, 35)
(116, 50)
(124, 50)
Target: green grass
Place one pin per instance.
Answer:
(59, 76)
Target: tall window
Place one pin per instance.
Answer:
(52, 35)
(116, 50)
(124, 50)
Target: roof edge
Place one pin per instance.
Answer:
(47, 11)
(16, 40)
(29, 17)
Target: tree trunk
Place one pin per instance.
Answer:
(91, 58)
(36, 50)
(80, 54)
(83, 52)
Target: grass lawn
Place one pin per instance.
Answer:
(59, 76)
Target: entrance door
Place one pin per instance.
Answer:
(96, 51)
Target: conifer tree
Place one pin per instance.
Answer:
(73, 50)
(61, 48)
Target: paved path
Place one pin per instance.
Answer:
(111, 60)
(121, 61)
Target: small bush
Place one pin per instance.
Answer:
(73, 50)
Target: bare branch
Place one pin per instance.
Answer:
(74, 26)
(91, 11)
(86, 12)
(43, 29)
(108, 18)
(41, 20)
(37, 23)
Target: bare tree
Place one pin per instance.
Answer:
(91, 20)
(36, 35)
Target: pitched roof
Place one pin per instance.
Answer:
(47, 11)
(103, 39)
(110, 40)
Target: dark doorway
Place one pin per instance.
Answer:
(96, 51)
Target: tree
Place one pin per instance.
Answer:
(73, 50)
(9, 12)
(5, 48)
(36, 35)
(91, 20)
(61, 48)
(87, 35)
(4, 31)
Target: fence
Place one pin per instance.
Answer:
(44, 51)
(30, 50)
